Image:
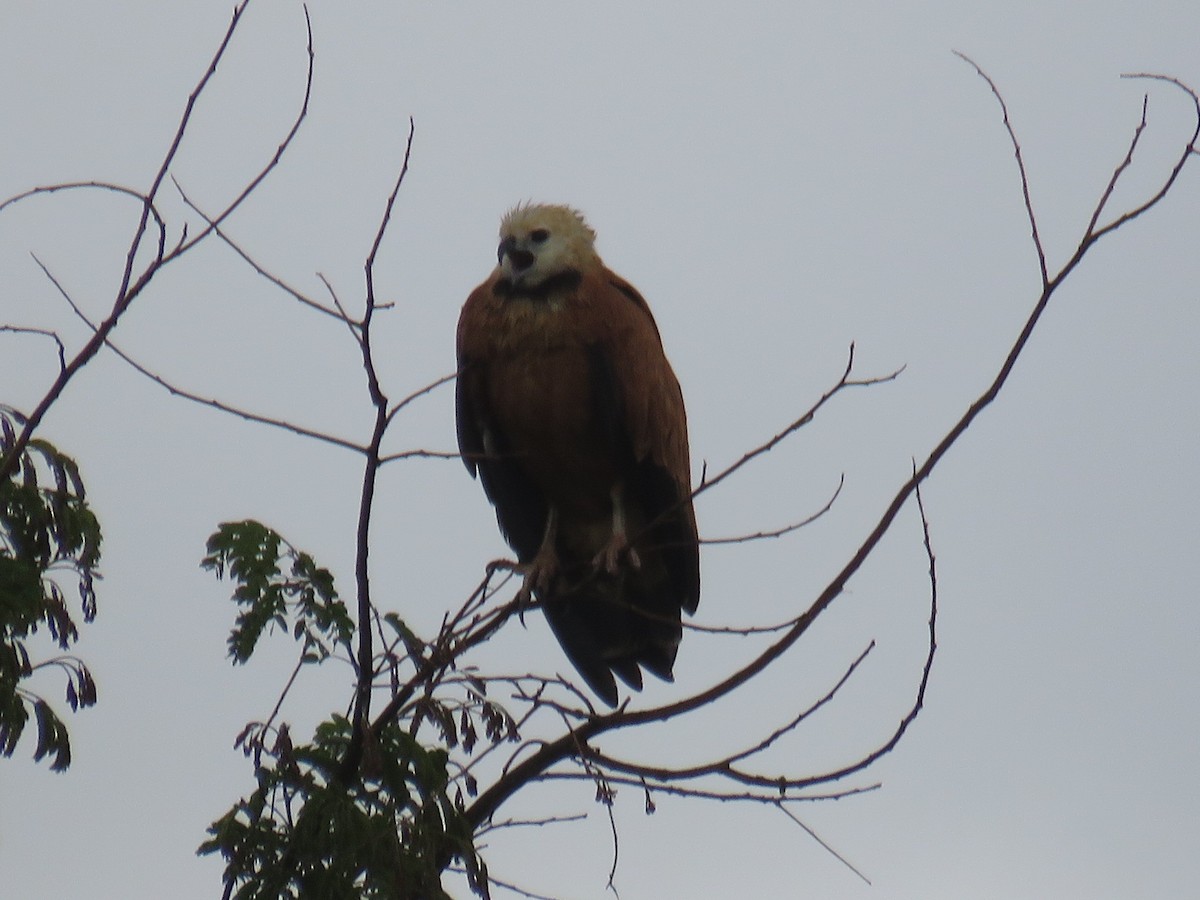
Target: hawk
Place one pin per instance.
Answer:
(572, 418)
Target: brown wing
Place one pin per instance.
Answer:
(620, 624)
(636, 387)
(520, 505)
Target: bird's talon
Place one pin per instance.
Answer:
(523, 601)
(538, 576)
(608, 560)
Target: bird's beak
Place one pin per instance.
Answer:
(518, 260)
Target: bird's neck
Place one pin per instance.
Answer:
(554, 286)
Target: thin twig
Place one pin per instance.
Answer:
(128, 290)
(420, 392)
(362, 702)
(767, 446)
(45, 332)
(724, 766)
(816, 837)
(250, 261)
(266, 170)
(1016, 146)
(144, 199)
(786, 529)
(354, 325)
(1188, 152)
(692, 792)
(419, 454)
(185, 394)
(550, 753)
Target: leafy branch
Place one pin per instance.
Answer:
(48, 535)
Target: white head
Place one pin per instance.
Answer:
(538, 242)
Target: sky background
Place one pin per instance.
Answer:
(779, 180)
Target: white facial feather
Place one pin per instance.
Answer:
(538, 242)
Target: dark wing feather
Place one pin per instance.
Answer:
(470, 436)
(618, 624)
(520, 506)
(655, 421)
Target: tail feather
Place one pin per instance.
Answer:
(613, 625)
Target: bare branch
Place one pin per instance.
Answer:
(420, 454)
(391, 202)
(177, 391)
(127, 292)
(144, 199)
(250, 261)
(549, 753)
(45, 332)
(506, 885)
(1016, 145)
(844, 382)
(362, 701)
(691, 792)
(739, 630)
(724, 767)
(1119, 170)
(1188, 151)
(786, 529)
(266, 170)
(919, 701)
(354, 326)
(283, 695)
(421, 392)
(816, 837)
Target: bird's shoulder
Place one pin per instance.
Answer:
(596, 307)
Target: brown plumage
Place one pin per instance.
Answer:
(569, 412)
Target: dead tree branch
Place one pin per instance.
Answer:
(130, 287)
(372, 464)
(539, 763)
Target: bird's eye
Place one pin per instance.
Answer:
(539, 235)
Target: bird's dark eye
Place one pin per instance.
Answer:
(539, 235)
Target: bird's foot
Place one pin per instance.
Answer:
(537, 576)
(608, 560)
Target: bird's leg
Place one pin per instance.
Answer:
(609, 558)
(540, 571)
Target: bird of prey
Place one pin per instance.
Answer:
(574, 421)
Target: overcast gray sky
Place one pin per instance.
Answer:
(779, 179)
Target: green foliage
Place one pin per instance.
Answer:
(48, 534)
(303, 601)
(305, 832)
(386, 826)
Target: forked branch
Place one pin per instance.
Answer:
(130, 288)
(539, 763)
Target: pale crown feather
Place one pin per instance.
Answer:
(539, 241)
